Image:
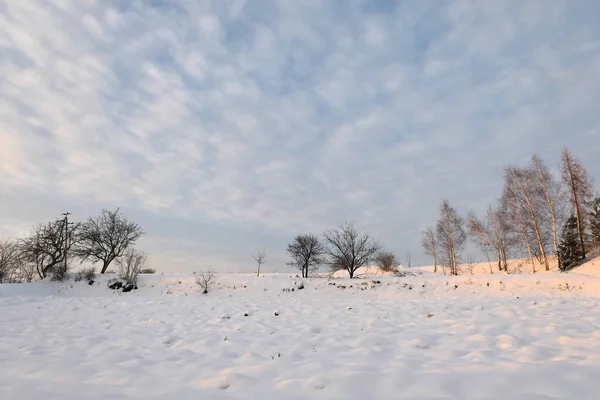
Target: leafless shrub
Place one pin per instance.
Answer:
(206, 279)
(130, 265)
(469, 266)
(148, 271)
(387, 262)
(86, 274)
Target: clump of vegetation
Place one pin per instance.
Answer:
(206, 279)
(86, 274)
(129, 267)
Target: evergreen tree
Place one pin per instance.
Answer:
(595, 220)
(569, 251)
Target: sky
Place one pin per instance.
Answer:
(227, 126)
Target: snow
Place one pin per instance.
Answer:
(378, 336)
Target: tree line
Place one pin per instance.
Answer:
(52, 248)
(344, 248)
(537, 215)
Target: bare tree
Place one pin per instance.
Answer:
(452, 236)
(492, 234)
(307, 253)
(106, 238)
(130, 264)
(387, 261)
(10, 257)
(408, 259)
(206, 279)
(595, 220)
(48, 245)
(551, 190)
(523, 191)
(429, 243)
(261, 258)
(350, 249)
(26, 271)
(514, 216)
(576, 178)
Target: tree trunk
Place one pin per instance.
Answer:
(499, 255)
(351, 272)
(258, 270)
(524, 232)
(105, 265)
(550, 208)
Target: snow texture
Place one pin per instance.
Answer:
(376, 337)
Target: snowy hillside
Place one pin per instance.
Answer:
(384, 337)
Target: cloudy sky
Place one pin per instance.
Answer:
(230, 125)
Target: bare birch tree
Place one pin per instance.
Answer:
(492, 234)
(552, 194)
(452, 236)
(576, 178)
(349, 249)
(429, 243)
(522, 190)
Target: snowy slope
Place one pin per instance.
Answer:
(423, 337)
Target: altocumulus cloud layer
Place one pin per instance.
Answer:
(223, 126)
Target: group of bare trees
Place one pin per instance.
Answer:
(342, 248)
(51, 248)
(530, 215)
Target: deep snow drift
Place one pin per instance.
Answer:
(377, 337)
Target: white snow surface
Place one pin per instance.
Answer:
(380, 337)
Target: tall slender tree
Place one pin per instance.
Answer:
(492, 234)
(429, 243)
(595, 220)
(522, 190)
(576, 178)
(452, 236)
(552, 195)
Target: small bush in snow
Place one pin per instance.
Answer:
(86, 274)
(387, 261)
(148, 271)
(59, 273)
(205, 279)
(130, 265)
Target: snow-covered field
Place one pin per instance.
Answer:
(376, 337)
